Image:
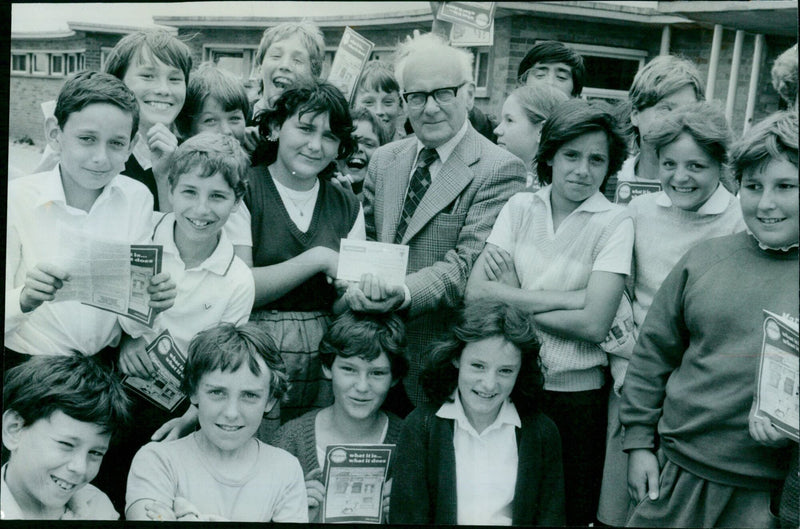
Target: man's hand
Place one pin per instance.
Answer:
(162, 292)
(371, 294)
(642, 474)
(41, 284)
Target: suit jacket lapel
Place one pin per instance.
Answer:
(395, 184)
(452, 178)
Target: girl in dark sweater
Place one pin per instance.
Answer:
(481, 452)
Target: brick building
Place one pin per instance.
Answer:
(615, 39)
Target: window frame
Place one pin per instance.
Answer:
(60, 72)
(607, 52)
(27, 69)
(247, 69)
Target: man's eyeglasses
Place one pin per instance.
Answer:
(442, 96)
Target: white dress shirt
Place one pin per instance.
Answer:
(486, 464)
(39, 219)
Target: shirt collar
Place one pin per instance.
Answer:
(12, 511)
(594, 204)
(141, 152)
(52, 189)
(218, 262)
(446, 149)
(455, 411)
(716, 204)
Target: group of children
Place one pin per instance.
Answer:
(202, 163)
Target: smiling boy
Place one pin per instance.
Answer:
(96, 119)
(59, 415)
(233, 375)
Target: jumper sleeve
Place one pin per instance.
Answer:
(663, 339)
(409, 503)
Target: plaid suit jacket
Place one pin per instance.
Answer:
(447, 232)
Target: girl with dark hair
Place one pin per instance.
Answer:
(297, 221)
(483, 426)
(562, 255)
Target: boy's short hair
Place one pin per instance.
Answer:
(312, 98)
(309, 33)
(226, 347)
(378, 126)
(479, 321)
(551, 51)
(76, 385)
(89, 88)
(213, 153)
(662, 76)
(210, 81)
(166, 47)
(784, 75)
(704, 121)
(773, 138)
(378, 76)
(366, 336)
(539, 101)
(574, 118)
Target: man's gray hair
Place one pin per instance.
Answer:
(434, 45)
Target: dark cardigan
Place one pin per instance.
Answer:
(424, 489)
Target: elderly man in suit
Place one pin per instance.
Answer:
(439, 192)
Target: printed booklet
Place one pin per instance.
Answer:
(355, 476)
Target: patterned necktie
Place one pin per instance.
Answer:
(420, 181)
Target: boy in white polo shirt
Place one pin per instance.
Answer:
(96, 119)
(206, 179)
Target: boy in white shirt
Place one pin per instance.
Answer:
(96, 119)
(206, 180)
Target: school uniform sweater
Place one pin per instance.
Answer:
(298, 437)
(693, 371)
(665, 232)
(277, 239)
(424, 487)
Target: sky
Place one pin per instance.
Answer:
(27, 17)
(53, 17)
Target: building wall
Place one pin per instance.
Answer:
(514, 36)
(27, 93)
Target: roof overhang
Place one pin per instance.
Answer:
(591, 11)
(773, 17)
(408, 18)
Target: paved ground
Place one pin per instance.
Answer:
(22, 158)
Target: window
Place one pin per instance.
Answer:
(19, 63)
(41, 63)
(480, 73)
(610, 71)
(237, 60)
(57, 64)
(50, 64)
